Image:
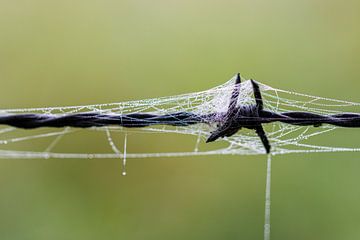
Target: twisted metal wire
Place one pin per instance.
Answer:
(138, 120)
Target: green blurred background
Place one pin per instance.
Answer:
(55, 53)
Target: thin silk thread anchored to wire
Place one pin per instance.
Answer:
(275, 121)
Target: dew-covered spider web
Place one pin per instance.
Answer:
(181, 141)
(118, 142)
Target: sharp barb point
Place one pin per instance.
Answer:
(238, 78)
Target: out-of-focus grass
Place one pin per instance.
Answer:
(82, 52)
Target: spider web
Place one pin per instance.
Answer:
(119, 142)
(112, 141)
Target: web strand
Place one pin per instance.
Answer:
(267, 226)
